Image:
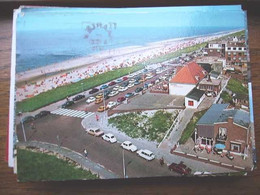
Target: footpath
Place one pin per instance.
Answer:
(84, 162)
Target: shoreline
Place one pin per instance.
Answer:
(97, 57)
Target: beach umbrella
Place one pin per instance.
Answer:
(220, 146)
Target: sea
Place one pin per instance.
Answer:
(35, 49)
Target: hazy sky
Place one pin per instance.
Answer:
(77, 18)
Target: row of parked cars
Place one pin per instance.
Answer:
(127, 145)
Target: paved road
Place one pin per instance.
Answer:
(69, 133)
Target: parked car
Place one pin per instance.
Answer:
(90, 99)
(99, 96)
(109, 138)
(121, 99)
(78, 97)
(97, 101)
(125, 84)
(113, 93)
(128, 95)
(180, 168)
(132, 81)
(121, 89)
(138, 89)
(119, 80)
(95, 132)
(111, 104)
(106, 92)
(125, 78)
(136, 83)
(27, 119)
(42, 114)
(116, 88)
(67, 104)
(112, 83)
(146, 154)
(103, 87)
(94, 90)
(127, 145)
(101, 109)
(131, 85)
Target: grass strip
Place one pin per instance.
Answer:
(33, 166)
(188, 131)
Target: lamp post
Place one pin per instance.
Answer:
(124, 166)
(21, 120)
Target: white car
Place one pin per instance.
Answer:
(113, 93)
(146, 154)
(131, 75)
(131, 81)
(111, 104)
(95, 132)
(90, 99)
(116, 88)
(129, 146)
(109, 138)
(121, 89)
(149, 77)
(131, 85)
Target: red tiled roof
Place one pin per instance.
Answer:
(191, 73)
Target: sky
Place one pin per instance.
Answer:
(53, 18)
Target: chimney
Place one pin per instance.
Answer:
(209, 79)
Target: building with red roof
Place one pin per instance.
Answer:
(186, 79)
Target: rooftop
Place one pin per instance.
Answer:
(191, 73)
(195, 94)
(212, 81)
(212, 115)
(240, 117)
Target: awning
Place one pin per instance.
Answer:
(220, 146)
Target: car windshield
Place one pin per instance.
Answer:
(112, 136)
(97, 130)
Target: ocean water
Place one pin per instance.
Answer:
(40, 48)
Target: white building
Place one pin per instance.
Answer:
(186, 79)
(194, 98)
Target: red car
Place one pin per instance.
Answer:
(180, 168)
(121, 99)
(112, 83)
(125, 78)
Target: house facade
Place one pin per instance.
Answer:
(194, 98)
(236, 53)
(211, 85)
(228, 127)
(215, 49)
(186, 79)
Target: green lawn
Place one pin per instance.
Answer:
(137, 125)
(34, 166)
(226, 97)
(236, 86)
(188, 131)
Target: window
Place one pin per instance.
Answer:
(229, 48)
(222, 131)
(234, 58)
(229, 53)
(190, 103)
(235, 147)
(218, 50)
(234, 48)
(211, 50)
(234, 53)
(239, 48)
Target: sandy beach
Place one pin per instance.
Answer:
(33, 82)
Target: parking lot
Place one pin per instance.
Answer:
(153, 101)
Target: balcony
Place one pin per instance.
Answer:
(221, 138)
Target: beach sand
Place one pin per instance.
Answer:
(33, 82)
